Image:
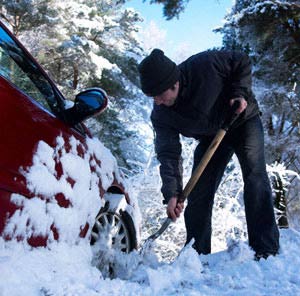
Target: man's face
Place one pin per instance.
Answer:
(168, 97)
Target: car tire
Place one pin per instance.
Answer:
(117, 227)
(112, 232)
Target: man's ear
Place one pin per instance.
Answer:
(175, 85)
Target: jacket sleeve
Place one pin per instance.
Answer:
(168, 150)
(241, 77)
(236, 66)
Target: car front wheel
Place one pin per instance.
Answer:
(113, 233)
(115, 230)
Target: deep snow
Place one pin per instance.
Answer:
(66, 270)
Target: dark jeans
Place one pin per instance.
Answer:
(247, 142)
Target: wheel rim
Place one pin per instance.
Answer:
(111, 230)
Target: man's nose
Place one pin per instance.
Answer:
(157, 100)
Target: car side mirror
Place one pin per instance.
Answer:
(87, 103)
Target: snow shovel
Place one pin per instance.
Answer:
(232, 116)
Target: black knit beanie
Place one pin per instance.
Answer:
(157, 73)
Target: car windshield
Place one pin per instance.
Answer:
(19, 69)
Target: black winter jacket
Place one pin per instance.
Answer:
(208, 81)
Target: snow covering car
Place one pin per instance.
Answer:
(57, 183)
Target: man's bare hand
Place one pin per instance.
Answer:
(242, 106)
(174, 208)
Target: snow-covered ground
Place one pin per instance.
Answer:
(64, 267)
(66, 270)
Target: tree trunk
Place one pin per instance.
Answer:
(280, 201)
(75, 76)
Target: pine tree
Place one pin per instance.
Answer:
(270, 32)
(25, 15)
(88, 44)
(171, 8)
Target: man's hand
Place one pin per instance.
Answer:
(242, 106)
(174, 208)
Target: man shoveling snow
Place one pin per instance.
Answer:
(192, 99)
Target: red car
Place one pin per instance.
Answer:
(56, 182)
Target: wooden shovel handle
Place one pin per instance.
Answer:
(231, 118)
(203, 163)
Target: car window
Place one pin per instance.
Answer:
(16, 67)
